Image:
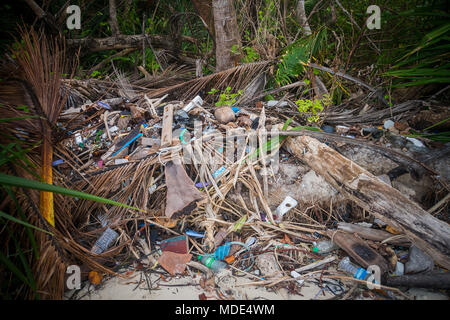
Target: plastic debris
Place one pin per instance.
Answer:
(222, 251)
(324, 247)
(174, 263)
(196, 102)
(177, 244)
(418, 261)
(328, 129)
(212, 263)
(388, 124)
(356, 272)
(195, 234)
(57, 162)
(105, 240)
(95, 277)
(287, 204)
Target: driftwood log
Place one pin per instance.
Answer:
(384, 202)
(426, 280)
(359, 250)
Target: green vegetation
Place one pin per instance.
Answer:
(314, 107)
(226, 98)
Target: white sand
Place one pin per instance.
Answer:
(125, 289)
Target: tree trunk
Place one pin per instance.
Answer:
(302, 18)
(113, 18)
(384, 202)
(204, 9)
(121, 41)
(227, 34)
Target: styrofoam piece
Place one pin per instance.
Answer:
(197, 101)
(120, 161)
(295, 275)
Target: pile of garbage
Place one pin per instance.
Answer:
(237, 190)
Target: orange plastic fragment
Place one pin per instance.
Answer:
(95, 277)
(229, 259)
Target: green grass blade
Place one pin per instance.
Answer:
(11, 218)
(18, 118)
(436, 124)
(32, 184)
(24, 219)
(11, 266)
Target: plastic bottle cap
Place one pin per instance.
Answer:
(315, 249)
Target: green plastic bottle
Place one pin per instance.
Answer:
(211, 263)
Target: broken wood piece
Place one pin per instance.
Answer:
(415, 168)
(166, 133)
(316, 264)
(373, 234)
(359, 250)
(148, 260)
(384, 202)
(199, 266)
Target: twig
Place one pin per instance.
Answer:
(440, 203)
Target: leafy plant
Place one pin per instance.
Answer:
(427, 63)
(226, 98)
(297, 55)
(313, 106)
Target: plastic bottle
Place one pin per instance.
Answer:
(324, 246)
(357, 272)
(213, 264)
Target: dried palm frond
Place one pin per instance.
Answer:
(236, 78)
(126, 183)
(43, 64)
(125, 88)
(172, 75)
(31, 99)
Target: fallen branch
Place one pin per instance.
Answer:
(416, 168)
(372, 234)
(431, 280)
(384, 202)
(104, 62)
